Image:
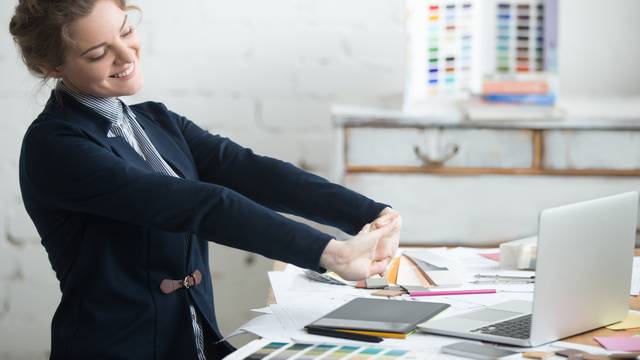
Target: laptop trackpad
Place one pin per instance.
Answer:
(489, 315)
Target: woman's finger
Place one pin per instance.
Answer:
(366, 244)
(392, 245)
(387, 247)
(385, 219)
(381, 236)
(365, 229)
(379, 267)
(386, 229)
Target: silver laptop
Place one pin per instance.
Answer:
(583, 277)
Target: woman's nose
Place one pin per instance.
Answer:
(124, 54)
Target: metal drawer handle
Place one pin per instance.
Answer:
(450, 151)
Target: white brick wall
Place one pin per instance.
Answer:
(263, 73)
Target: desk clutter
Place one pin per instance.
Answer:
(425, 273)
(446, 281)
(271, 350)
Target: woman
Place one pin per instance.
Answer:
(125, 199)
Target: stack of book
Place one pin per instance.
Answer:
(515, 97)
(519, 88)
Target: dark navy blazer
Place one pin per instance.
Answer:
(114, 229)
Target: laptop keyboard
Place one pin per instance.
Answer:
(519, 328)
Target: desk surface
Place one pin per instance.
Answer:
(584, 338)
(587, 338)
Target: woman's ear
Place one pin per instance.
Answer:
(52, 72)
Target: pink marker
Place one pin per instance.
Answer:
(452, 292)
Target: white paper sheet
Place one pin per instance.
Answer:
(294, 318)
(264, 310)
(291, 287)
(635, 278)
(247, 350)
(470, 259)
(266, 326)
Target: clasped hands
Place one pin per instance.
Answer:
(369, 252)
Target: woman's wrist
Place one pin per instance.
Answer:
(333, 255)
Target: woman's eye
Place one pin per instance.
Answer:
(96, 58)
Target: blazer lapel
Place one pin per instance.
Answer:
(167, 148)
(97, 126)
(94, 125)
(121, 147)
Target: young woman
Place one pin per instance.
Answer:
(125, 198)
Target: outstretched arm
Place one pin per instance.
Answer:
(276, 184)
(64, 170)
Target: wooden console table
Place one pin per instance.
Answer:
(480, 183)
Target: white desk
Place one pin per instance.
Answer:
(300, 301)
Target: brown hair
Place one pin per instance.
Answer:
(40, 28)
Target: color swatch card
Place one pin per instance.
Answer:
(266, 351)
(449, 36)
(518, 36)
(301, 351)
(440, 45)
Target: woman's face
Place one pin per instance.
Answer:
(104, 59)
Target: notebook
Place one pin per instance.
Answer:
(379, 315)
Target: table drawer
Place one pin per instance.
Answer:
(570, 149)
(476, 148)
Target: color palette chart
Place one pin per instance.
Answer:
(449, 46)
(266, 351)
(300, 351)
(519, 36)
(452, 45)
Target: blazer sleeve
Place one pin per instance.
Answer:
(64, 169)
(276, 184)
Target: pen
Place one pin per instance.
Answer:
(505, 277)
(505, 282)
(452, 292)
(342, 334)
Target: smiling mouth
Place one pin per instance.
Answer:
(124, 73)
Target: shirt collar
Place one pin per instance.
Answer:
(111, 108)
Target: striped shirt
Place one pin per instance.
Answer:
(125, 125)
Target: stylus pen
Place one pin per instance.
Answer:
(343, 334)
(504, 282)
(452, 292)
(505, 277)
